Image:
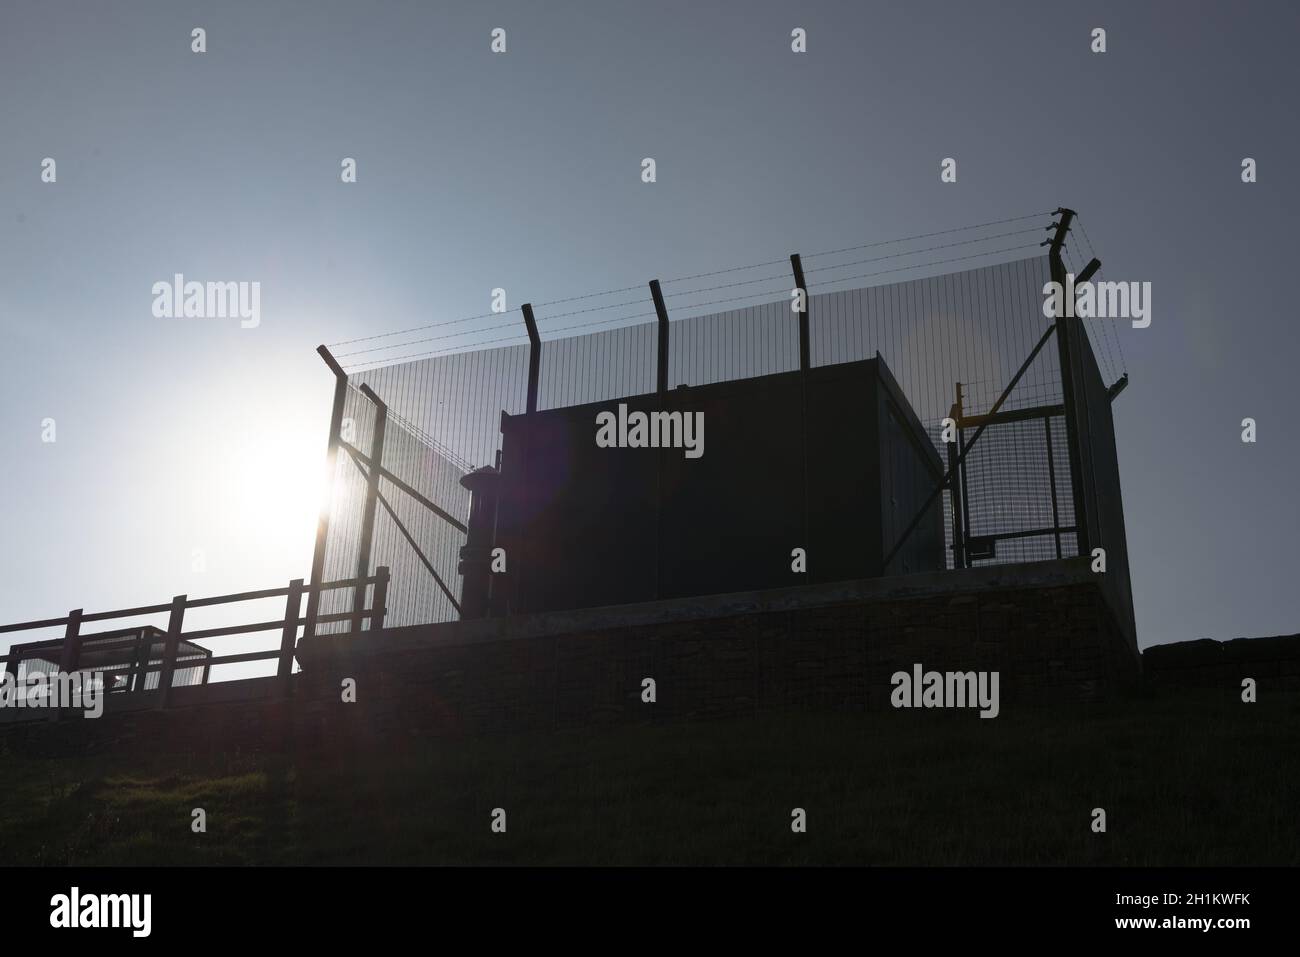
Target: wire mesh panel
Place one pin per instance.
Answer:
(1017, 494)
(419, 545)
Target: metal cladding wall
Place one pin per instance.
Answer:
(1103, 502)
(585, 526)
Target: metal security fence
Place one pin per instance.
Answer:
(1012, 493)
(966, 344)
(412, 524)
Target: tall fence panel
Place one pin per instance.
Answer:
(952, 341)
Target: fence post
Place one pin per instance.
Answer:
(71, 651)
(69, 654)
(805, 362)
(289, 635)
(661, 363)
(661, 386)
(331, 458)
(534, 357)
(1067, 328)
(805, 342)
(170, 644)
(372, 500)
(379, 603)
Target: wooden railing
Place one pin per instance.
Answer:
(73, 622)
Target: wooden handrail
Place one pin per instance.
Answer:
(172, 657)
(235, 629)
(189, 603)
(128, 612)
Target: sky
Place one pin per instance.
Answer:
(187, 455)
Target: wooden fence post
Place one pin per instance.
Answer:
(289, 636)
(170, 644)
(70, 653)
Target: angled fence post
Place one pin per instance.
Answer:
(534, 356)
(170, 644)
(661, 312)
(519, 562)
(289, 635)
(805, 340)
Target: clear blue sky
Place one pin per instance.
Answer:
(478, 171)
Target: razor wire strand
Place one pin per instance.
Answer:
(592, 295)
(768, 294)
(1101, 329)
(1092, 253)
(634, 302)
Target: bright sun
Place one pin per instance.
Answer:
(274, 485)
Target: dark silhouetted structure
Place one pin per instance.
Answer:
(584, 526)
(986, 439)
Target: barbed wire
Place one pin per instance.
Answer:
(766, 296)
(703, 275)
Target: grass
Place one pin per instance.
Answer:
(1183, 781)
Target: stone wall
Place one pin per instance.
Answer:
(1274, 663)
(1045, 628)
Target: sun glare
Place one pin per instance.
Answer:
(275, 489)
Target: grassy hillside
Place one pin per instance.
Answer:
(1183, 781)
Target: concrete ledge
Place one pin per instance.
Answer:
(982, 580)
(1044, 627)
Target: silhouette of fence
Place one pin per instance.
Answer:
(144, 659)
(953, 340)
